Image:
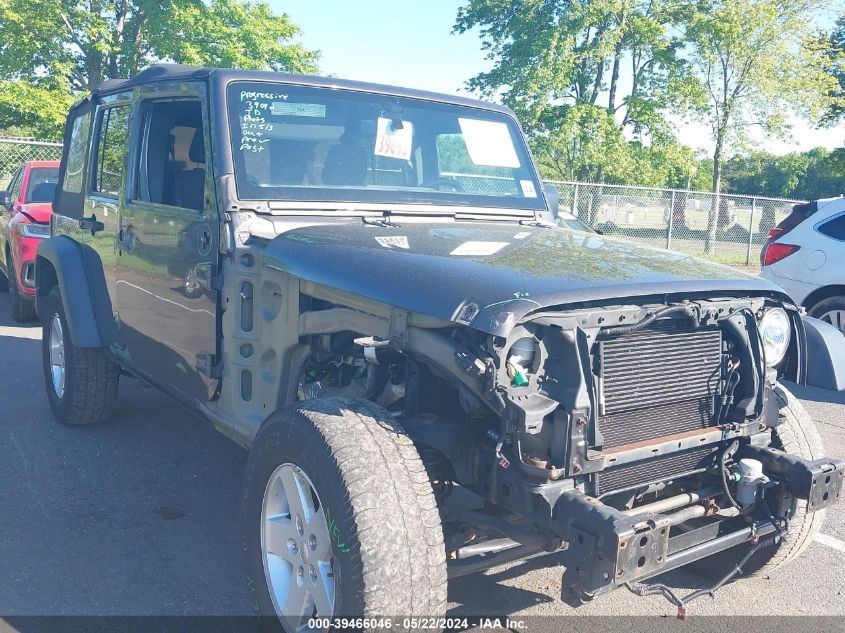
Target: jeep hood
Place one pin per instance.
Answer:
(489, 276)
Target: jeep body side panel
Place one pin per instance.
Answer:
(79, 275)
(489, 276)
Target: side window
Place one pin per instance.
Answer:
(76, 154)
(111, 150)
(17, 186)
(172, 164)
(14, 181)
(834, 228)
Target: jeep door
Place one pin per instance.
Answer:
(169, 243)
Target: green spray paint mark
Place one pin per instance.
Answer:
(334, 532)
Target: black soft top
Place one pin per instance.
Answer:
(157, 72)
(223, 76)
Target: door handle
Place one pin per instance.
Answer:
(91, 224)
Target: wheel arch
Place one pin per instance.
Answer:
(78, 272)
(820, 294)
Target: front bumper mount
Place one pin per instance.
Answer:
(608, 548)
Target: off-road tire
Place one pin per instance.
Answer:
(826, 305)
(23, 309)
(797, 434)
(91, 377)
(389, 543)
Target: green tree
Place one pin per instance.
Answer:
(753, 62)
(53, 50)
(836, 67)
(817, 173)
(558, 64)
(581, 142)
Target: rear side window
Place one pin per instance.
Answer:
(834, 228)
(42, 184)
(111, 150)
(76, 154)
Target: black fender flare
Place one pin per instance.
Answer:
(825, 355)
(78, 271)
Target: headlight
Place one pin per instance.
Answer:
(33, 230)
(775, 332)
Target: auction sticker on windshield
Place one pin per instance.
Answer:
(528, 189)
(489, 143)
(286, 108)
(394, 139)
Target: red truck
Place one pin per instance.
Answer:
(25, 210)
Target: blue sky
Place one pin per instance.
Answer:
(401, 42)
(410, 43)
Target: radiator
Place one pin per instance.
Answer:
(654, 383)
(626, 427)
(655, 469)
(657, 382)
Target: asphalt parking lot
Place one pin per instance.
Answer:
(141, 516)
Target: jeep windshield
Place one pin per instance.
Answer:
(296, 143)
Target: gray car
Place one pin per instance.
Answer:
(366, 286)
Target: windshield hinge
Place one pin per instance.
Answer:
(539, 223)
(382, 221)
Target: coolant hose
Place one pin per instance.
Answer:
(688, 308)
(723, 470)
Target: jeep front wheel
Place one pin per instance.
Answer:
(81, 382)
(340, 517)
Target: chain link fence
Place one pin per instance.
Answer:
(16, 151)
(674, 219)
(678, 219)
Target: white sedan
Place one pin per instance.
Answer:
(805, 255)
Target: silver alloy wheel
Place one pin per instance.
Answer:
(296, 548)
(835, 317)
(57, 355)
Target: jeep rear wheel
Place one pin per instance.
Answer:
(340, 517)
(796, 434)
(81, 382)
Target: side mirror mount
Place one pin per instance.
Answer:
(6, 200)
(552, 199)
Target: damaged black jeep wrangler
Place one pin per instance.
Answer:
(370, 288)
